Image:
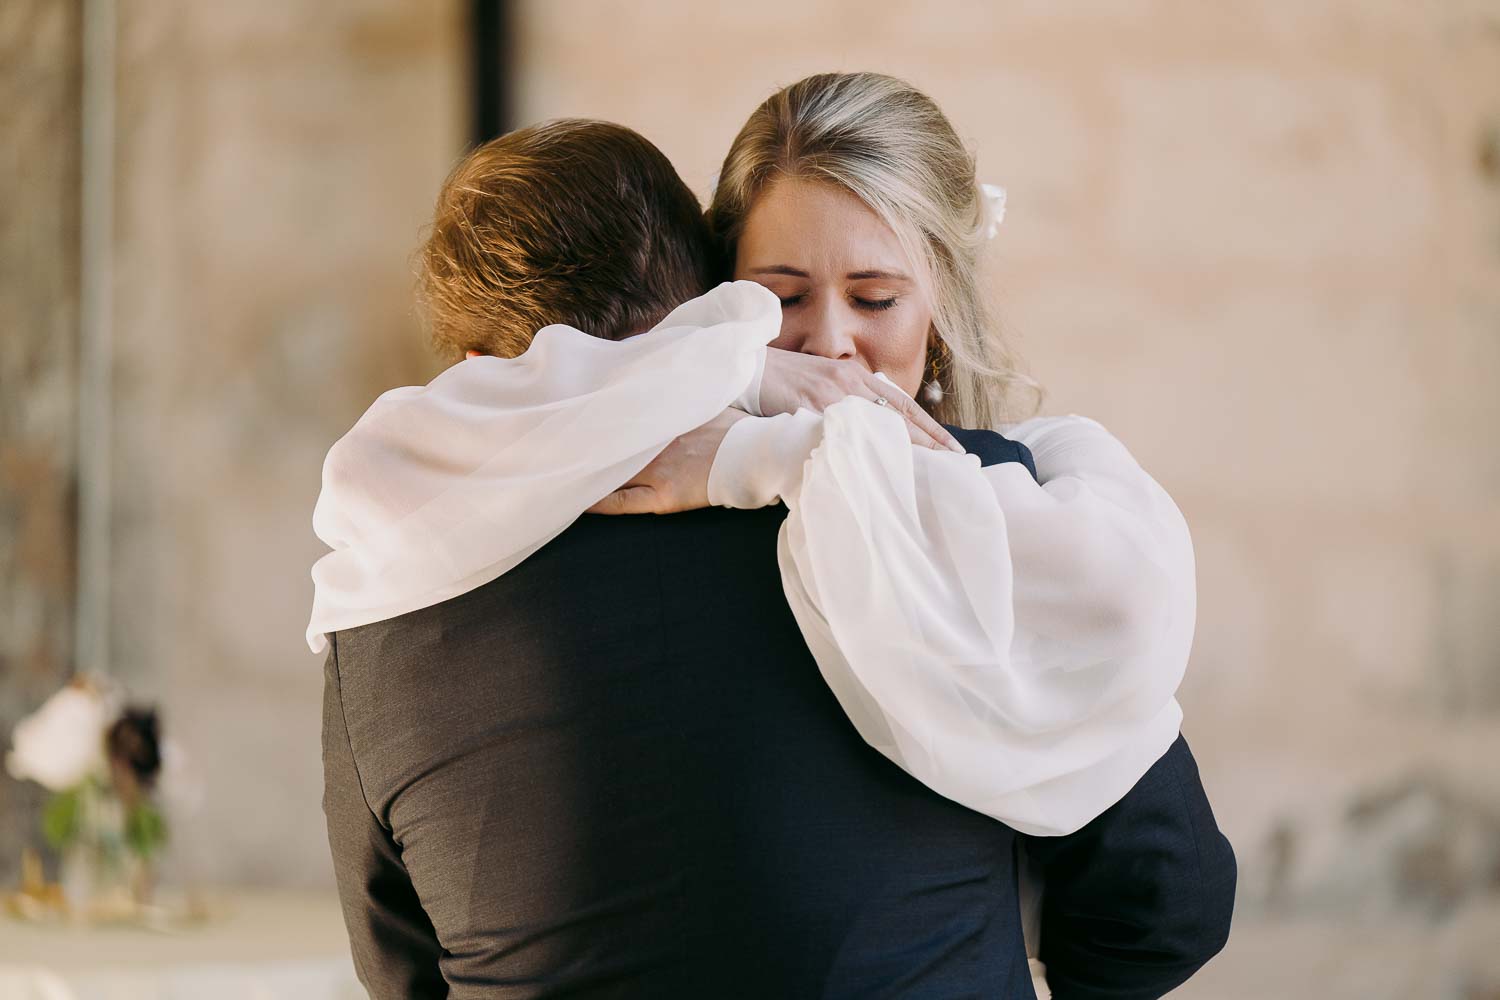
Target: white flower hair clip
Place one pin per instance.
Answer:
(994, 207)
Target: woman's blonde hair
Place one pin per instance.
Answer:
(889, 145)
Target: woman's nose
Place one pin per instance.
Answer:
(829, 332)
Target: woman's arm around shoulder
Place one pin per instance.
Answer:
(1013, 643)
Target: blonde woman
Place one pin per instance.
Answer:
(851, 197)
(1010, 634)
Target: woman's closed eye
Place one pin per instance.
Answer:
(871, 305)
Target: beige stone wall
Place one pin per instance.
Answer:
(1261, 243)
(39, 88)
(273, 164)
(276, 162)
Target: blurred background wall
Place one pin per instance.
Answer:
(270, 168)
(1261, 243)
(39, 315)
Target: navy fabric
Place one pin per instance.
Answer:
(616, 772)
(993, 448)
(1142, 896)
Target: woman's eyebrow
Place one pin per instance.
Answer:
(851, 276)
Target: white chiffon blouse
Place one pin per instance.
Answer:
(1014, 644)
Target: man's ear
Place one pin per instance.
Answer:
(471, 354)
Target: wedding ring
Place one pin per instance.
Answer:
(880, 401)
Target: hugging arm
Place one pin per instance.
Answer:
(395, 948)
(1141, 897)
(1012, 641)
(441, 488)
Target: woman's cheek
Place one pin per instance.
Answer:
(908, 361)
(906, 342)
(898, 366)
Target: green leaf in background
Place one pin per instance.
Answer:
(61, 818)
(145, 829)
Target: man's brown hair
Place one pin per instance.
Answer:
(571, 221)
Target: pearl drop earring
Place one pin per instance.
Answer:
(932, 392)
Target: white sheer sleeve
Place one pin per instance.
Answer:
(1014, 646)
(441, 488)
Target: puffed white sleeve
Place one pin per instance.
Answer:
(1014, 645)
(441, 488)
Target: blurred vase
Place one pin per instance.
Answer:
(101, 878)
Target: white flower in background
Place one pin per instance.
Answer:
(61, 743)
(994, 201)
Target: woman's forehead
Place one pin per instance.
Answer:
(820, 229)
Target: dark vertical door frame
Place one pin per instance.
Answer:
(490, 84)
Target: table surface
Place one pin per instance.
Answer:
(246, 926)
